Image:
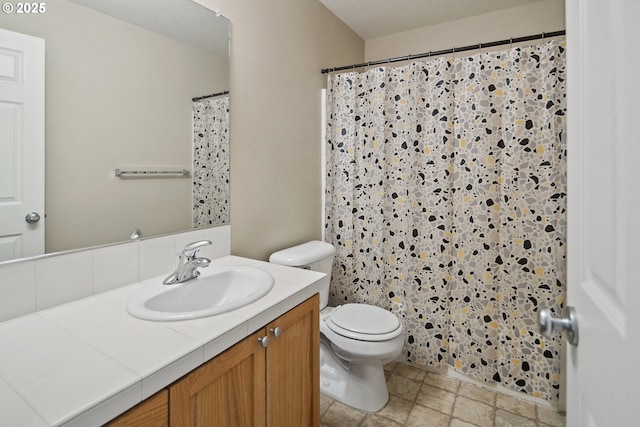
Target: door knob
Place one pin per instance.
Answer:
(276, 331)
(548, 324)
(264, 341)
(32, 217)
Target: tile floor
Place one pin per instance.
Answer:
(420, 398)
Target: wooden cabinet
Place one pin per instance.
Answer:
(153, 412)
(293, 368)
(227, 391)
(250, 385)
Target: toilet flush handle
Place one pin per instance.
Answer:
(276, 331)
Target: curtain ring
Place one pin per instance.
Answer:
(480, 47)
(511, 43)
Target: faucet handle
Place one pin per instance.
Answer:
(191, 249)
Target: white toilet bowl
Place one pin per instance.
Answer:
(356, 340)
(351, 369)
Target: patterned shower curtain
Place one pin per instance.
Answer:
(211, 162)
(446, 201)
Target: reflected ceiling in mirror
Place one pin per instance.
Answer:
(120, 78)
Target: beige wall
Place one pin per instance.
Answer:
(116, 95)
(533, 18)
(278, 49)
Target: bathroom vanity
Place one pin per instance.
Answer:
(268, 379)
(89, 362)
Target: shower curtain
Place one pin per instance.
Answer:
(211, 162)
(446, 201)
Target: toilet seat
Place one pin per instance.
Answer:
(364, 322)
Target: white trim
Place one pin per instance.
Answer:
(323, 157)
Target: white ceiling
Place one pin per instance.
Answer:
(376, 18)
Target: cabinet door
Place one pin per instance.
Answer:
(293, 368)
(227, 391)
(153, 412)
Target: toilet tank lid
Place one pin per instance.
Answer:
(304, 254)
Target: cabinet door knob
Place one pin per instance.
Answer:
(276, 331)
(264, 341)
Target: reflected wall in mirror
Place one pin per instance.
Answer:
(120, 79)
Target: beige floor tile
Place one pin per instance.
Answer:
(550, 416)
(459, 423)
(403, 387)
(341, 415)
(397, 409)
(373, 420)
(473, 412)
(436, 398)
(391, 365)
(325, 402)
(477, 393)
(516, 406)
(410, 372)
(442, 381)
(422, 416)
(509, 419)
(419, 398)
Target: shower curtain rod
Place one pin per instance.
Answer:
(448, 51)
(198, 98)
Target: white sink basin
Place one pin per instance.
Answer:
(219, 289)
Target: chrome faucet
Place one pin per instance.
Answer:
(188, 263)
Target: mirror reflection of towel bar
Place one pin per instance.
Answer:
(123, 173)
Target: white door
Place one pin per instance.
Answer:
(21, 145)
(603, 370)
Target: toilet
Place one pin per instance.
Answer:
(356, 340)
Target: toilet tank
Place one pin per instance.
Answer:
(315, 256)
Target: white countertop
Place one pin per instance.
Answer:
(85, 362)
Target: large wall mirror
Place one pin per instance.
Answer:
(136, 86)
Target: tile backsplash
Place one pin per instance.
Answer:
(32, 285)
